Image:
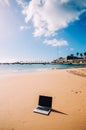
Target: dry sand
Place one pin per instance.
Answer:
(19, 96)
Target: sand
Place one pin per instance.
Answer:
(19, 94)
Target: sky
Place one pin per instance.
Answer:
(41, 30)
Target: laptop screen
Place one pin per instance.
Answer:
(45, 101)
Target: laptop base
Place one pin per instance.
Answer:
(41, 111)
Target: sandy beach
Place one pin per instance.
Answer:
(19, 94)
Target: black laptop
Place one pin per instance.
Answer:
(44, 105)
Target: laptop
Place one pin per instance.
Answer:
(44, 105)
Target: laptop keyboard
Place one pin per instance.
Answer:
(43, 108)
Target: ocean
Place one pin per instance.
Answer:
(14, 68)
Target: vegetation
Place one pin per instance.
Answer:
(79, 58)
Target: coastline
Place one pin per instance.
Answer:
(19, 96)
(27, 68)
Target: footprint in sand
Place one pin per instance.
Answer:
(76, 92)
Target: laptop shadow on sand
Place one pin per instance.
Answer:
(56, 111)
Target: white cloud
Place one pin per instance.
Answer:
(56, 42)
(22, 3)
(24, 27)
(49, 16)
(5, 2)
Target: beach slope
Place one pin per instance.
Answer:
(19, 96)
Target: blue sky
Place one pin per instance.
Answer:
(33, 30)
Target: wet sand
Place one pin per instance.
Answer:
(19, 96)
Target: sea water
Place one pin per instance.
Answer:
(13, 68)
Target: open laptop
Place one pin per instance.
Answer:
(44, 105)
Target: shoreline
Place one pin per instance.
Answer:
(70, 70)
(24, 69)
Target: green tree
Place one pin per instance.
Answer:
(81, 55)
(85, 54)
(77, 54)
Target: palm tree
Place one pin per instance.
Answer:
(72, 56)
(81, 55)
(77, 54)
(85, 54)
